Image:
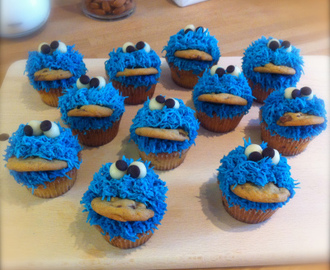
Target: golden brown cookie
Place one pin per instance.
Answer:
(122, 209)
(164, 134)
(271, 68)
(193, 55)
(35, 164)
(269, 193)
(223, 98)
(47, 74)
(299, 119)
(128, 72)
(91, 111)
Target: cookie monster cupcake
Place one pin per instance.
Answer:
(291, 118)
(126, 202)
(255, 181)
(221, 98)
(134, 70)
(270, 64)
(54, 67)
(189, 53)
(164, 130)
(44, 157)
(93, 110)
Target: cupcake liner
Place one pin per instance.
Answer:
(97, 137)
(217, 124)
(184, 78)
(258, 92)
(123, 243)
(286, 146)
(164, 161)
(136, 95)
(251, 216)
(51, 97)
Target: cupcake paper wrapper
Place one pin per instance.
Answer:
(259, 92)
(216, 124)
(184, 78)
(51, 97)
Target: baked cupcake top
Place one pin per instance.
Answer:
(258, 174)
(294, 113)
(224, 92)
(273, 63)
(38, 152)
(91, 104)
(134, 64)
(164, 126)
(123, 181)
(54, 66)
(192, 49)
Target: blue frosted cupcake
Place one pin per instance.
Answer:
(164, 130)
(255, 181)
(291, 118)
(221, 98)
(134, 70)
(44, 157)
(126, 202)
(93, 110)
(270, 64)
(54, 67)
(189, 53)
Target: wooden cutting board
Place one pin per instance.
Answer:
(196, 231)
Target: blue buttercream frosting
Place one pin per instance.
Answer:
(120, 60)
(107, 96)
(64, 147)
(236, 169)
(198, 40)
(258, 54)
(276, 105)
(150, 190)
(71, 60)
(227, 83)
(166, 118)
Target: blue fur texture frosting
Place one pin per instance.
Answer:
(107, 96)
(258, 54)
(120, 60)
(170, 118)
(64, 147)
(276, 105)
(199, 40)
(71, 60)
(226, 84)
(149, 190)
(236, 169)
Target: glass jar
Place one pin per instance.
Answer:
(108, 9)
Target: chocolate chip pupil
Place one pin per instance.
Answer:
(45, 49)
(268, 152)
(170, 103)
(94, 82)
(140, 45)
(187, 30)
(274, 45)
(306, 91)
(54, 45)
(286, 44)
(230, 69)
(28, 130)
(121, 165)
(84, 79)
(295, 93)
(130, 49)
(133, 171)
(220, 72)
(255, 156)
(45, 125)
(160, 99)
(199, 27)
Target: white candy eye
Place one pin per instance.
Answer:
(58, 45)
(129, 47)
(102, 82)
(143, 45)
(233, 70)
(252, 148)
(273, 44)
(157, 103)
(118, 169)
(83, 82)
(44, 48)
(291, 92)
(172, 103)
(97, 82)
(216, 69)
(189, 27)
(137, 169)
(272, 153)
(307, 92)
(50, 129)
(287, 46)
(33, 128)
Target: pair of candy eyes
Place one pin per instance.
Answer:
(220, 71)
(85, 82)
(46, 48)
(37, 128)
(293, 92)
(129, 47)
(159, 102)
(136, 169)
(274, 44)
(254, 152)
(191, 27)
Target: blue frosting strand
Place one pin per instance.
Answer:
(149, 190)
(258, 54)
(169, 118)
(226, 84)
(107, 96)
(276, 105)
(236, 169)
